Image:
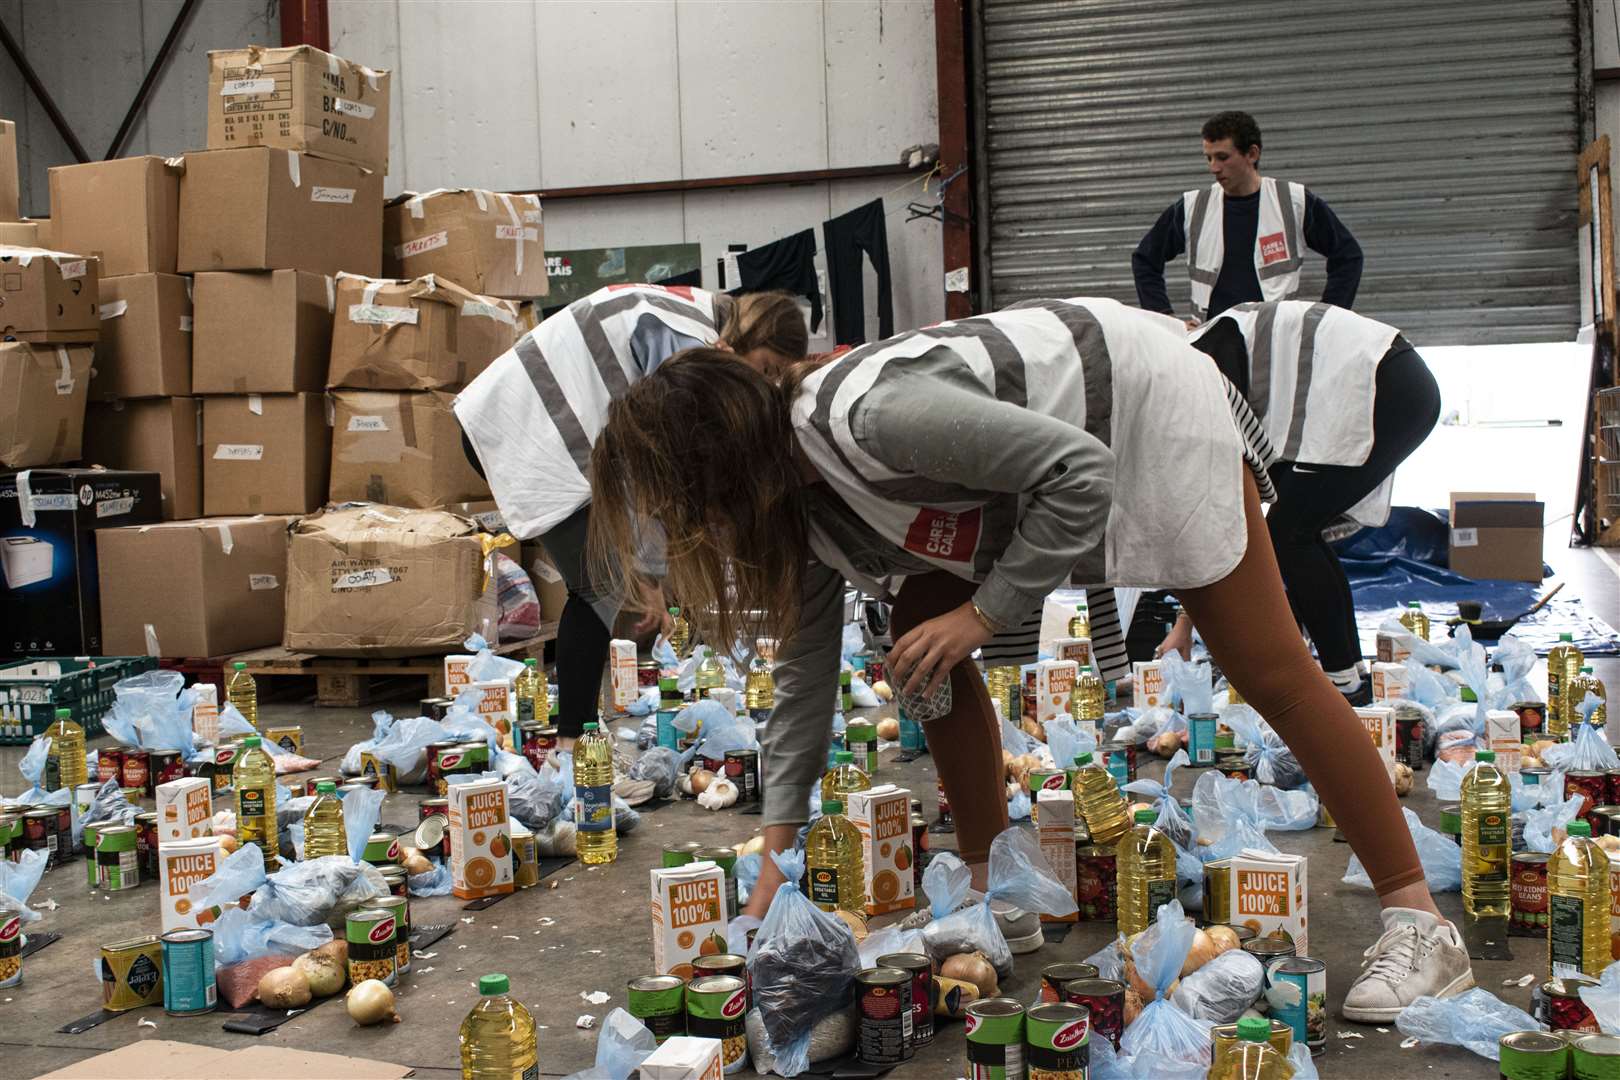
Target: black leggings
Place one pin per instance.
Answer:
(583, 631)
(1310, 498)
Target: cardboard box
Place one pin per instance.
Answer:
(1268, 894)
(1379, 720)
(490, 242)
(264, 454)
(205, 713)
(261, 333)
(1148, 685)
(19, 234)
(1054, 688)
(387, 773)
(185, 809)
(48, 296)
(1077, 649)
(426, 334)
(1503, 735)
(145, 348)
(51, 601)
(1391, 648)
(622, 673)
(1389, 681)
(883, 816)
(1497, 535)
(163, 1059)
(481, 839)
(688, 915)
(684, 1057)
(126, 212)
(381, 580)
(486, 513)
(193, 588)
(263, 209)
(182, 863)
(298, 98)
(160, 435)
(1056, 832)
(403, 448)
(43, 393)
(10, 187)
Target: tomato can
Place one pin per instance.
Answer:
(1054, 976)
(1528, 915)
(716, 1007)
(921, 970)
(397, 879)
(166, 765)
(1557, 1003)
(131, 974)
(733, 964)
(1104, 999)
(137, 769)
(884, 1016)
(1614, 786)
(188, 972)
(1533, 1055)
(1096, 882)
(146, 844)
(1057, 1041)
(110, 765)
(659, 1002)
(39, 834)
(995, 1039)
(742, 769)
(10, 946)
(1593, 788)
(312, 786)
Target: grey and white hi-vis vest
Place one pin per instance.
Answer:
(1279, 240)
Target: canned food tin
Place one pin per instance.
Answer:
(10, 946)
(146, 844)
(64, 833)
(434, 708)
(1218, 892)
(312, 786)
(1532, 717)
(525, 860)
(1057, 1041)
(1119, 758)
(117, 861)
(1096, 882)
(433, 833)
(1595, 1057)
(451, 760)
(945, 823)
(1557, 1003)
(715, 1009)
(397, 879)
(1609, 818)
(400, 908)
(84, 797)
(1533, 1055)
(188, 972)
(1047, 780)
(137, 769)
(369, 783)
(225, 755)
(434, 770)
(1528, 894)
(659, 1002)
(435, 808)
(166, 765)
(1592, 786)
(1534, 775)
(921, 971)
(132, 974)
(1267, 949)
(1409, 736)
(680, 854)
(732, 964)
(1225, 1039)
(1233, 763)
(91, 830)
(372, 955)
(1201, 738)
(919, 844)
(10, 834)
(725, 859)
(1245, 934)
(884, 1016)
(846, 696)
(1105, 1001)
(39, 834)
(110, 765)
(1225, 737)
(382, 849)
(1298, 998)
(646, 673)
(287, 736)
(995, 1039)
(742, 769)
(1614, 786)
(1053, 976)
(1451, 821)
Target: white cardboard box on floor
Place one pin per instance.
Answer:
(1268, 894)
(684, 1057)
(1379, 720)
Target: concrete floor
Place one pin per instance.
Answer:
(601, 938)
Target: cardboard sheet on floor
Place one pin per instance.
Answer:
(37, 942)
(85, 1023)
(255, 1019)
(849, 1067)
(164, 1059)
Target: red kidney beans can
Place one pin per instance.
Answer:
(1096, 882)
(1106, 1000)
(1532, 717)
(435, 771)
(1528, 894)
(1054, 976)
(1614, 786)
(146, 844)
(137, 769)
(919, 848)
(742, 769)
(946, 824)
(166, 765)
(1557, 1003)
(1593, 788)
(883, 1003)
(922, 992)
(110, 765)
(64, 833)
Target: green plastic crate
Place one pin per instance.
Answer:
(32, 690)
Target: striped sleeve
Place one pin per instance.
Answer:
(1258, 452)
(1107, 635)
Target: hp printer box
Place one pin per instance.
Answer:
(50, 590)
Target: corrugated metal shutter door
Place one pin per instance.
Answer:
(1443, 133)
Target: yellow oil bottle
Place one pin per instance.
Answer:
(1090, 697)
(1145, 861)
(1101, 803)
(680, 632)
(497, 1038)
(834, 872)
(242, 692)
(596, 841)
(1003, 684)
(65, 761)
(323, 824)
(1564, 662)
(533, 696)
(1252, 1057)
(759, 689)
(254, 778)
(1414, 620)
(710, 675)
(844, 777)
(1578, 902)
(1080, 622)
(1487, 838)
(1581, 685)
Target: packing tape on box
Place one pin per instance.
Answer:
(292, 169)
(331, 411)
(112, 309)
(185, 324)
(482, 197)
(372, 77)
(256, 404)
(488, 311)
(25, 498)
(227, 543)
(64, 385)
(407, 422)
(152, 648)
(331, 295)
(199, 422)
(517, 226)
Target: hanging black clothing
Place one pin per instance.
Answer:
(848, 235)
(790, 264)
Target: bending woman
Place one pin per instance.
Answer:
(1341, 400)
(987, 462)
(533, 416)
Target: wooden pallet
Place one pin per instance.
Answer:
(351, 682)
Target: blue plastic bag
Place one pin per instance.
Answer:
(1604, 999)
(19, 879)
(696, 716)
(232, 723)
(485, 666)
(1017, 743)
(32, 765)
(724, 732)
(1190, 682)
(1588, 748)
(790, 994)
(1172, 820)
(1540, 823)
(239, 935)
(436, 882)
(1067, 741)
(1018, 806)
(1273, 762)
(1164, 1041)
(304, 893)
(1516, 660)
(237, 875)
(747, 869)
(1475, 1020)
(1018, 875)
(405, 744)
(361, 809)
(946, 881)
(624, 1043)
(1424, 652)
(1440, 855)
(152, 710)
(1227, 813)
(462, 724)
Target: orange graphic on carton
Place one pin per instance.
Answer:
(882, 815)
(1268, 895)
(481, 841)
(688, 915)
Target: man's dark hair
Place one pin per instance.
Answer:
(1237, 126)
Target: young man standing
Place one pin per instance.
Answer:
(1245, 234)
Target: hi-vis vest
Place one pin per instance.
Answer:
(534, 414)
(1126, 376)
(1279, 240)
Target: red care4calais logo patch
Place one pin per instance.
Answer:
(1273, 248)
(945, 534)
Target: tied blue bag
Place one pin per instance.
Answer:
(1516, 660)
(1588, 747)
(622, 1046)
(1440, 856)
(1273, 762)
(1067, 741)
(1164, 1041)
(19, 879)
(1172, 820)
(1019, 875)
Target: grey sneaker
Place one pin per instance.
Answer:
(1418, 955)
(1021, 928)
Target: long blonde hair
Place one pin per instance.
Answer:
(764, 320)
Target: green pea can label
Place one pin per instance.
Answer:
(1595, 1057)
(1057, 1041)
(1533, 1055)
(716, 1006)
(659, 1002)
(995, 1039)
(861, 740)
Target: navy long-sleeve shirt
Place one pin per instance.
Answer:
(1237, 282)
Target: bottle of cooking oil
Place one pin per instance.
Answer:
(1487, 838)
(1414, 620)
(844, 777)
(710, 675)
(64, 761)
(759, 691)
(1145, 861)
(1251, 1057)
(1581, 685)
(596, 841)
(834, 875)
(1101, 803)
(1080, 622)
(532, 694)
(254, 778)
(680, 632)
(497, 1038)
(1564, 662)
(1002, 683)
(243, 692)
(1090, 697)
(1578, 903)
(323, 824)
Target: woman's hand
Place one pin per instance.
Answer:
(924, 656)
(1179, 639)
(649, 607)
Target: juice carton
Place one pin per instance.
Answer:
(622, 673)
(1389, 681)
(184, 808)
(688, 915)
(205, 714)
(455, 674)
(1056, 833)
(387, 776)
(1054, 687)
(1077, 649)
(1148, 684)
(1268, 895)
(495, 703)
(1502, 735)
(480, 839)
(684, 1057)
(1390, 649)
(883, 816)
(181, 864)
(1379, 720)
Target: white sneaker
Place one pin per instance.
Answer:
(1020, 928)
(1419, 955)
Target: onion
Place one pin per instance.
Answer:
(416, 863)
(973, 968)
(701, 779)
(1541, 747)
(371, 1002)
(324, 975)
(1034, 729)
(1610, 844)
(283, 988)
(1165, 743)
(888, 729)
(227, 843)
(718, 794)
(1403, 778)
(883, 690)
(1203, 950)
(1133, 1006)
(1224, 937)
(754, 845)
